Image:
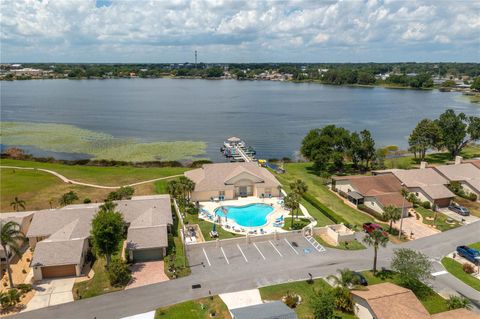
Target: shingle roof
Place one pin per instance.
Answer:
(269, 310)
(63, 252)
(461, 313)
(428, 179)
(475, 162)
(389, 301)
(212, 177)
(147, 237)
(459, 172)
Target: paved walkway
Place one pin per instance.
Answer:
(243, 298)
(71, 181)
(51, 292)
(147, 273)
(412, 225)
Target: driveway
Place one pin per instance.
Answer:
(419, 229)
(147, 273)
(51, 292)
(467, 219)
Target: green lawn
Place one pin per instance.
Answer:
(455, 268)
(316, 187)
(38, 189)
(195, 309)
(354, 245)
(176, 258)
(302, 288)
(406, 162)
(206, 227)
(302, 222)
(109, 176)
(441, 221)
(433, 302)
(475, 245)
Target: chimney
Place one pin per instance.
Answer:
(458, 160)
(423, 165)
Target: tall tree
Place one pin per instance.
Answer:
(367, 147)
(376, 238)
(10, 239)
(392, 214)
(424, 136)
(299, 187)
(413, 266)
(107, 232)
(457, 130)
(18, 203)
(292, 202)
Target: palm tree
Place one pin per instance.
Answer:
(10, 239)
(291, 202)
(188, 186)
(299, 187)
(172, 188)
(392, 214)
(345, 279)
(17, 204)
(376, 238)
(107, 206)
(68, 198)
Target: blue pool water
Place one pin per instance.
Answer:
(253, 215)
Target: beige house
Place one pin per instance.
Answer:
(426, 183)
(232, 180)
(375, 192)
(60, 237)
(389, 301)
(467, 174)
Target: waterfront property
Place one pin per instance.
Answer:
(466, 174)
(375, 192)
(229, 181)
(60, 237)
(426, 183)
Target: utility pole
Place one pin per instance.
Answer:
(401, 216)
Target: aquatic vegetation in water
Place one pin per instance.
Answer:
(71, 139)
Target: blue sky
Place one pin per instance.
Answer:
(239, 31)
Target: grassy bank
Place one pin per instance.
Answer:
(440, 222)
(456, 269)
(316, 187)
(305, 290)
(195, 309)
(432, 301)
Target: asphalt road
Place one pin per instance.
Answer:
(237, 274)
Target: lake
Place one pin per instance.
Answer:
(273, 117)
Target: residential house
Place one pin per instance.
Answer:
(60, 237)
(389, 301)
(466, 174)
(426, 183)
(269, 310)
(232, 180)
(375, 192)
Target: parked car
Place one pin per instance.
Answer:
(369, 227)
(469, 254)
(459, 209)
(361, 279)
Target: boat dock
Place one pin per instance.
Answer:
(237, 151)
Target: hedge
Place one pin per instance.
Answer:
(324, 209)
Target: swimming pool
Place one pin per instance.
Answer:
(253, 215)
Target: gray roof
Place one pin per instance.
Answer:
(428, 179)
(465, 172)
(53, 253)
(270, 310)
(147, 237)
(221, 176)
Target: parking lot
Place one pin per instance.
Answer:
(261, 249)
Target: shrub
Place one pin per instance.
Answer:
(468, 268)
(324, 209)
(24, 288)
(426, 204)
(87, 201)
(118, 273)
(456, 302)
(473, 197)
(323, 305)
(343, 300)
(290, 300)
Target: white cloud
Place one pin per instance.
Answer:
(161, 30)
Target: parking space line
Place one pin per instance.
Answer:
(275, 248)
(208, 260)
(223, 252)
(259, 251)
(246, 260)
(296, 252)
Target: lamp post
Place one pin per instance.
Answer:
(401, 215)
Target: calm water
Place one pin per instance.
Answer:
(272, 117)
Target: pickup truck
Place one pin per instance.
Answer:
(469, 254)
(369, 227)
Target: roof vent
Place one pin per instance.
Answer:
(423, 165)
(458, 160)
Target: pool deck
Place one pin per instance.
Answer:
(232, 226)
